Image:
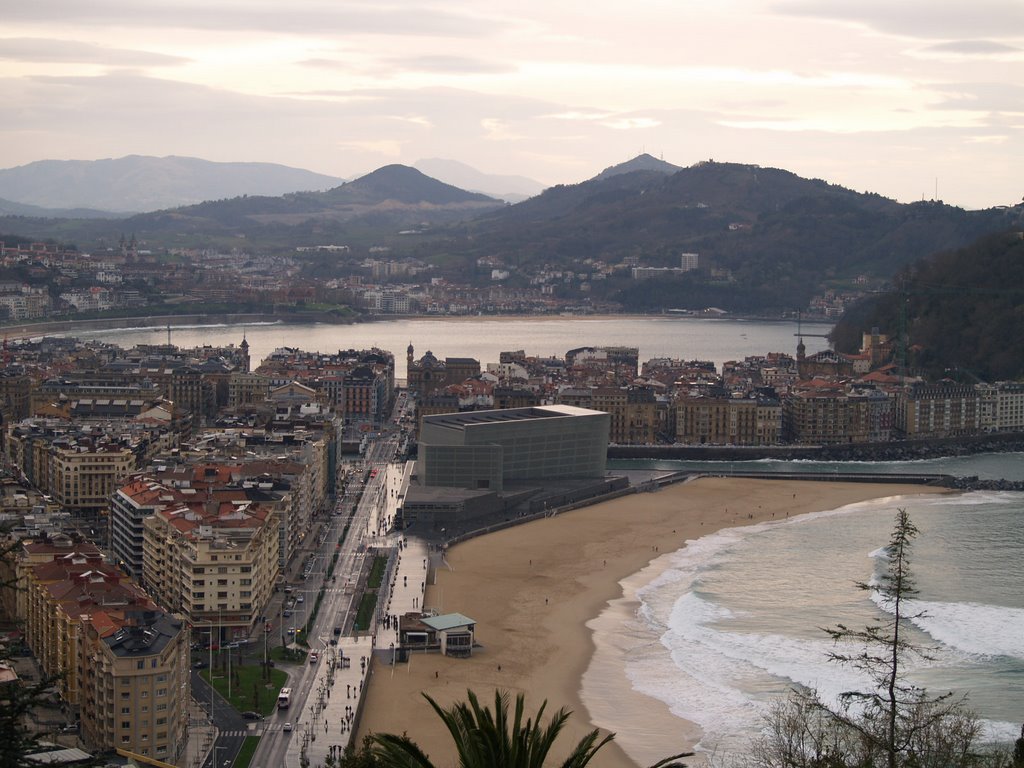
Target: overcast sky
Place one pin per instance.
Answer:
(887, 96)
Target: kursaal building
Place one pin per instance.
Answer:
(484, 450)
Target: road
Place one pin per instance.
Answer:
(231, 727)
(368, 522)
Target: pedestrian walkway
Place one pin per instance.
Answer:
(326, 723)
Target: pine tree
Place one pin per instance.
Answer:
(893, 723)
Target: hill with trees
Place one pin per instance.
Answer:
(767, 239)
(962, 310)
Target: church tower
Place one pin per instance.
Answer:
(245, 354)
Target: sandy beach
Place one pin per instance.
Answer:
(533, 588)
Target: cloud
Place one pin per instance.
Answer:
(628, 123)
(387, 147)
(579, 114)
(972, 48)
(498, 130)
(949, 19)
(451, 65)
(304, 17)
(44, 50)
(996, 98)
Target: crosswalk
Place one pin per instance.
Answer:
(252, 730)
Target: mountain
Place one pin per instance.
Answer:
(642, 162)
(380, 203)
(11, 208)
(963, 311)
(511, 189)
(140, 183)
(767, 239)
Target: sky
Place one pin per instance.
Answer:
(911, 99)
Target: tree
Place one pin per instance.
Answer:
(498, 739)
(894, 723)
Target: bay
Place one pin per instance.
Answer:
(484, 338)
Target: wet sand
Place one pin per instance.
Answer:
(533, 588)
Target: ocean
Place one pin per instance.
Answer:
(723, 627)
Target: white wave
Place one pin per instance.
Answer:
(722, 679)
(974, 628)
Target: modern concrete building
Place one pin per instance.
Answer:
(485, 449)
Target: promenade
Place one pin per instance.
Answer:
(326, 722)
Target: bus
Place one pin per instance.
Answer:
(284, 698)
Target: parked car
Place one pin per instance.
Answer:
(300, 599)
(337, 631)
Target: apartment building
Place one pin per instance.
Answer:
(57, 594)
(719, 420)
(129, 506)
(940, 409)
(213, 561)
(81, 465)
(1001, 406)
(246, 388)
(134, 680)
(816, 414)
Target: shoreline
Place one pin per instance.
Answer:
(536, 590)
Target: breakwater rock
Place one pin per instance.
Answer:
(897, 450)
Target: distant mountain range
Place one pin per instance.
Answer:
(11, 208)
(767, 239)
(138, 183)
(511, 189)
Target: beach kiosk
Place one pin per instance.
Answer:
(454, 632)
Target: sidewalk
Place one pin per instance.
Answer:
(326, 722)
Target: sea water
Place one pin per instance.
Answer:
(720, 629)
